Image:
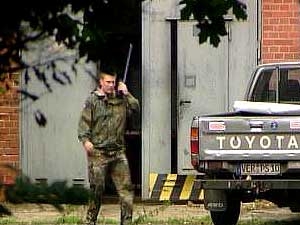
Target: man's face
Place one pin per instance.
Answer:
(107, 83)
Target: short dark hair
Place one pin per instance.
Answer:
(108, 68)
(103, 74)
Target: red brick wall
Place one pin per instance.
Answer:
(9, 128)
(280, 30)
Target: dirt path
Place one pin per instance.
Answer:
(42, 212)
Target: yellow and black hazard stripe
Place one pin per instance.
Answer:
(174, 187)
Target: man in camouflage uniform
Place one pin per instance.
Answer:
(101, 130)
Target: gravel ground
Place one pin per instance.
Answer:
(43, 212)
(35, 212)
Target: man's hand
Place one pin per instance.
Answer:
(122, 88)
(88, 147)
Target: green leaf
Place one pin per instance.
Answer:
(239, 9)
(214, 40)
(203, 34)
(187, 10)
(2, 90)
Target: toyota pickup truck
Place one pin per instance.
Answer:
(252, 152)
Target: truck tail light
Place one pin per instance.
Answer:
(194, 138)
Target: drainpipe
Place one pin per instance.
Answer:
(174, 71)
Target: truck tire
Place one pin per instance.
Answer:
(295, 209)
(228, 217)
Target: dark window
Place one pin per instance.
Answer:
(286, 86)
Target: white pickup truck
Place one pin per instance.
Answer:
(254, 151)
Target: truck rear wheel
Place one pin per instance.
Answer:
(228, 217)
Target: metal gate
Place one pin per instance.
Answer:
(53, 153)
(206, 80)
(210, 79)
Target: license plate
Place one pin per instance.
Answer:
(260, 168)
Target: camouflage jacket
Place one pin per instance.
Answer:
(103, 120)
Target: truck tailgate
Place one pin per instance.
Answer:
(249, 138)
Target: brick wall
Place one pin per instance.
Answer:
(9, 128)
(280, 30)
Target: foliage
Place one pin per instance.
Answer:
(91, 26)
(57, 193)
(211, 16)
(99, 30)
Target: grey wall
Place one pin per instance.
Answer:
(156, 88)
(53, 152)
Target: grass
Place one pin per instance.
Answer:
(269, 222)
(187, 221)
(144, 217)
(69, 220)
(147, 220)
(8, 221)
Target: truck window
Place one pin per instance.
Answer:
(265, 87)
(288, 83)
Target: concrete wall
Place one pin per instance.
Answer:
(156, 87)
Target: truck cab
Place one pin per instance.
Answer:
(276, 82)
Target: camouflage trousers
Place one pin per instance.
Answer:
(116, 166)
